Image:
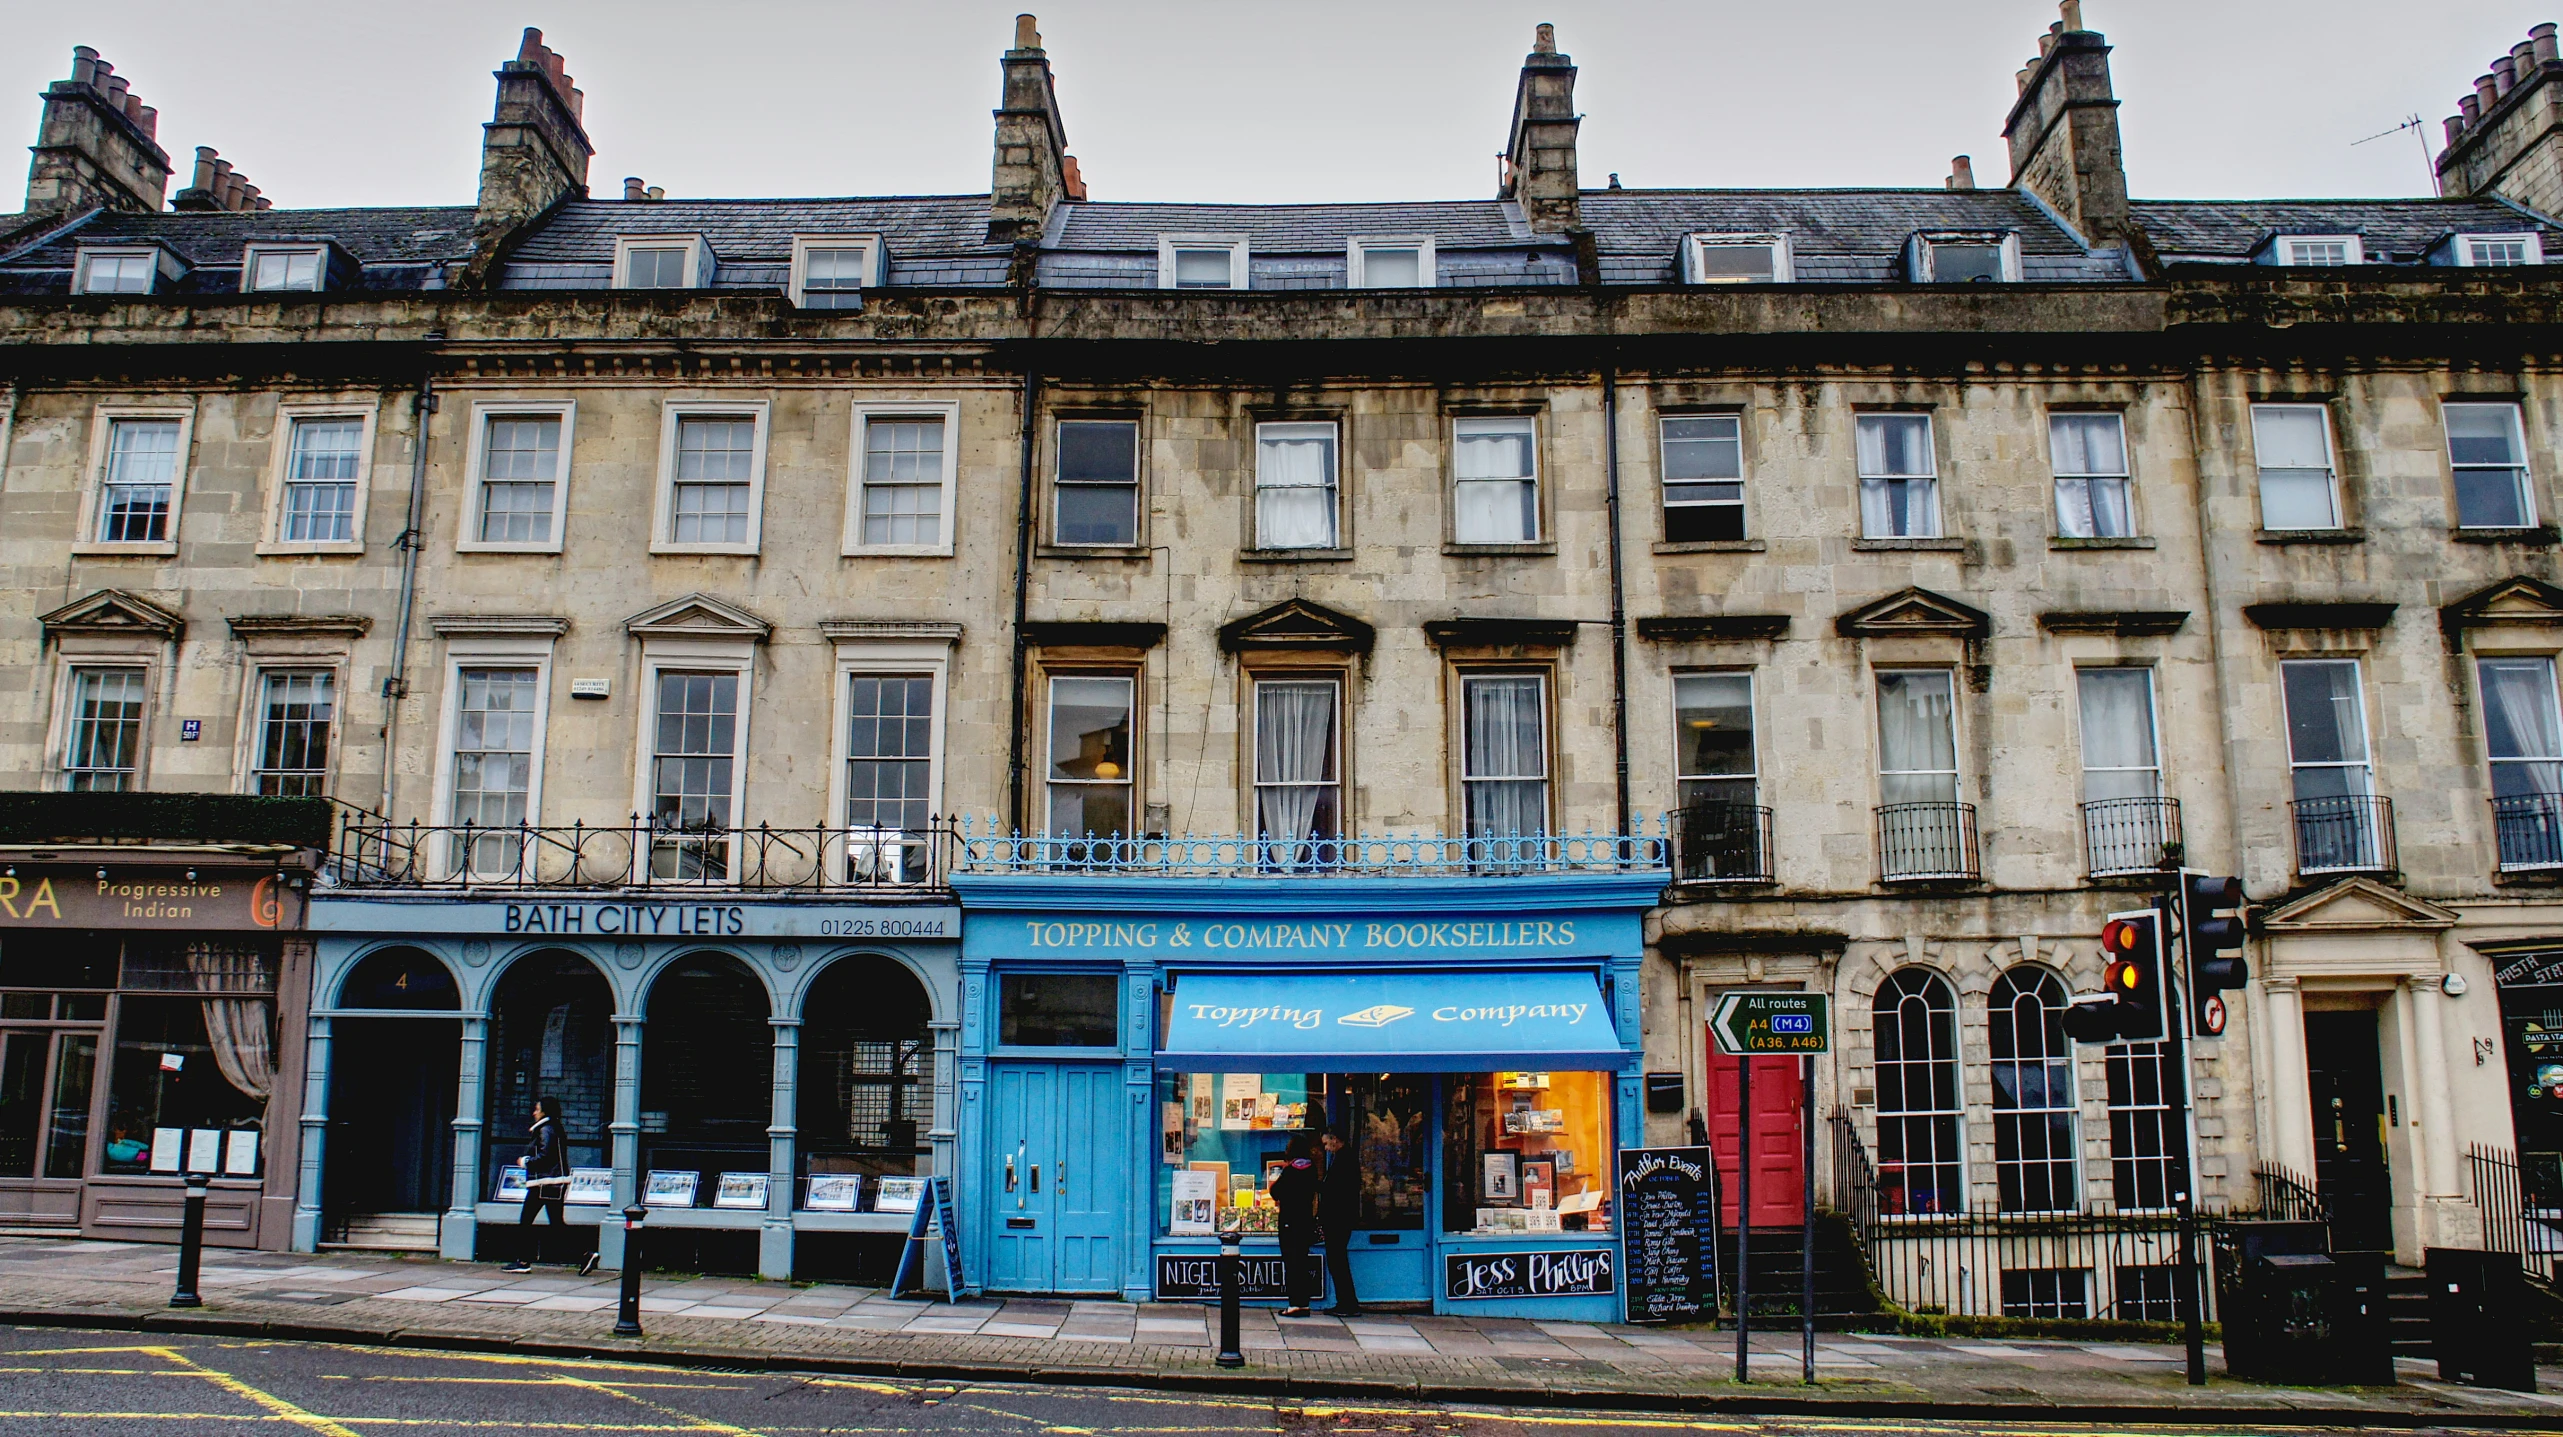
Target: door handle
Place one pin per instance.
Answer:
(1059, 1180)
(1036, 1177)
(1010, 1175)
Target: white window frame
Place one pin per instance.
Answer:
(851, 542)
(1547, 777)
(2362, 768)
(2284, 250)
(474, 458)
(1138, 483)
(250, 256)
(2518, 440)
(2331, 465)
(2153, 721)
(1357, 263)
(2069, 1158)
(102, 424)
(861, 657)
(156, 257)
(1461, 424)
(1334, 488)
(691, 656)
(1957, 771)
(1338, 753)
(1931, 450)
(1135, 676)
(280, 474)
(1235, 244)
(67, 670)
(2465, 247)
(663, 526)
(874, 271)
(2126, 476)
(1664, 484)
(253, 714)
(1930, 241)
(489, 653)
(698, 258)
(1753, 712)
(1695, 262)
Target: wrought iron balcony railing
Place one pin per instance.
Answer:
(2130, 835)
(2345, 833)
(1721, 843)
(373, 853)
(2528, 830)
(1356, 855)
(1927, 840)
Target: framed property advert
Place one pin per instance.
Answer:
(1539, 1182)
(511, 1184)
(670, 1189)
(204, 1150)
(165, 1145)
(591, 1187)
(898, 1194)
(1196, 1204)
(740, 1190)
(240, 1153)
(1500, 1181)
(833, 1192)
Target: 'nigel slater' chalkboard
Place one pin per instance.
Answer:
(1669, 1228)
(1194, 1277)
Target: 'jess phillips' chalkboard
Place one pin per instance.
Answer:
(1669, 1229)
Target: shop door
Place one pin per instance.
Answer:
(2347, 1082)
(1062, 1177)
(1779, 1137)
(45, 1082)
(391, 1116)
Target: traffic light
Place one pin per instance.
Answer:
(2131, 1005)
(2213, 941)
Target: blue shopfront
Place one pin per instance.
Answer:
(1136, 1053)
(768, 1075)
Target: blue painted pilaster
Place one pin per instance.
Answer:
(455, 1235)
(976, 1204)
(944, 1132)
(315, 1136)
(774, 1243)
(1139, 1084)
(626, 1134)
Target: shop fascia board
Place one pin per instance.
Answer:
(1306, 897)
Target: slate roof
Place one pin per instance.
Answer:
(2401, 231)
(1292, 229)
(401, 236)
(1835, 236)
(583, 231)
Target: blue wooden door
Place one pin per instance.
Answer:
(1061, 1166)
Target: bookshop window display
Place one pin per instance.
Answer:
(1526, 1152)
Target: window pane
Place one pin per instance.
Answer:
(320, 474)
(889, 750)
(277, 269)
(2290, 436)
(2522, 732)
(1203, 268)
(1090, 773)
(106, 728)
(1503, 1134)
(1895, 445)
(833, 269)
(75, 1073)
(520, 462)
(1705, 446)
(1098, 488)
(296, 711)
(125, 274)
(2087, 443)
(2324, 721)
(1397, 268)
(2035, 1164)
(1498, 496)
(662, 268)
(22, 1065)
(1965, 263)
(1504, 755)
(2118, 754)
(142, 472)
(1295, 759)
(2499, 251)
(715, 460)
(2145, 1141)
(1917, 738)
(1295, 486)
(1921, 1165)
(2491, 478)
(145, 1096)
(1058, 1010)
(1713, 722)
(1737, 263)
(493, 746)
(903, 481)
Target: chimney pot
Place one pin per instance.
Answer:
(1615, 179)
(204, 168)
(2046, 45)
(2522, 61)
(1544, 39)
(1027, 32)
(2469, 108)
(578, 105)
(2487, 93)
(265, 203)
(531, 46)
(116, 88)
(2072, 10)
(2502, 80)
(1962, 172)
(1072, 181)
(149, 119)
(2541, 44)
(658, 192)
(84, 65)
(134, 107)
(2455, 128)
(632, 189)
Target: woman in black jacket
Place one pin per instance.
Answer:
(1294, 1192)
(547, 1180)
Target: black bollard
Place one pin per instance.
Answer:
(191, 1244)
(1231, 1353)
(627, 1317)
(2185, 1291)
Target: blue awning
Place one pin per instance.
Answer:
(1388, 1023)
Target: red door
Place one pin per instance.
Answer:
(1779, 1138)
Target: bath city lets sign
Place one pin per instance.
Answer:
(1769, 1023)
(69, 896)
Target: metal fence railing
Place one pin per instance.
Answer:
(2527, 828)
(2346, 833)
(1927, 840)
(1355, 855)
(2123, 836)
(1722, 843)
(2520, 1199)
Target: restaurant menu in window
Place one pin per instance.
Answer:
(1669, 1227)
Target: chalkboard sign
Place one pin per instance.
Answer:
(1553, 1272)
(1194, 1276)
(1669, 1226)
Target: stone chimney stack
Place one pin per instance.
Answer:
(1539, 158)
(1032, 170)
(2506, 138)
(534, 151)
(2064, 130)
(96, 145)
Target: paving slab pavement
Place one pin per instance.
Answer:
(837, 1327)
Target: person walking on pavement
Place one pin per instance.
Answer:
(1339, 1206)
(1294, 1193)
(547, 1183)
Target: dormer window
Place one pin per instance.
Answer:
(2320, 250)
(2499, 249)
(1736, 259)
(1389, 262)
(116, 271)
(1201, 261)
(1967, 259)
(832, 271)
(270, 268)
(662, 262)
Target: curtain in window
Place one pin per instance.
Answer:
(1294, 758)
(1507, 758)
(2295, 468)
(236, 1028)
(1294, 490)
(2520, 723)
(2117, 734)
(2326, 735)
(1895, 476)
(1917, 744)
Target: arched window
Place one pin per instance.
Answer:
(2145, 1142)
(2033, 1092)
(707, 1072)
(1921, 1165)
(551, 1038)
(399, 978)
(867, 1074)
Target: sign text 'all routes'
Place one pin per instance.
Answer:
(1772, 1023)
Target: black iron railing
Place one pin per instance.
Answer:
(2346, 833)
(2520, 1199)
(2287, 1195)
(2528, 829)
(2130, 835)
(1927, 840)
(1722, 843)
(371, 853)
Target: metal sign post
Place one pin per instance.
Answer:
(1747, 1026)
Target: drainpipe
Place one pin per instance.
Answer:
(1023, 588)
(1621, 819)
(396, 684)
(8, 427)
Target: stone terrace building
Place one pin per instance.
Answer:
(1932, 567)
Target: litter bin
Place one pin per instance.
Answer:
(2478, 1302)
(2296, 1313)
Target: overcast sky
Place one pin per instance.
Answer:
(359, 102)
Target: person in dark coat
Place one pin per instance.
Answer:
(1339, 1206)
(1294, 1192)
(547, 1180)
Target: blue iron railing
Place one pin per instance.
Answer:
(990, 849)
